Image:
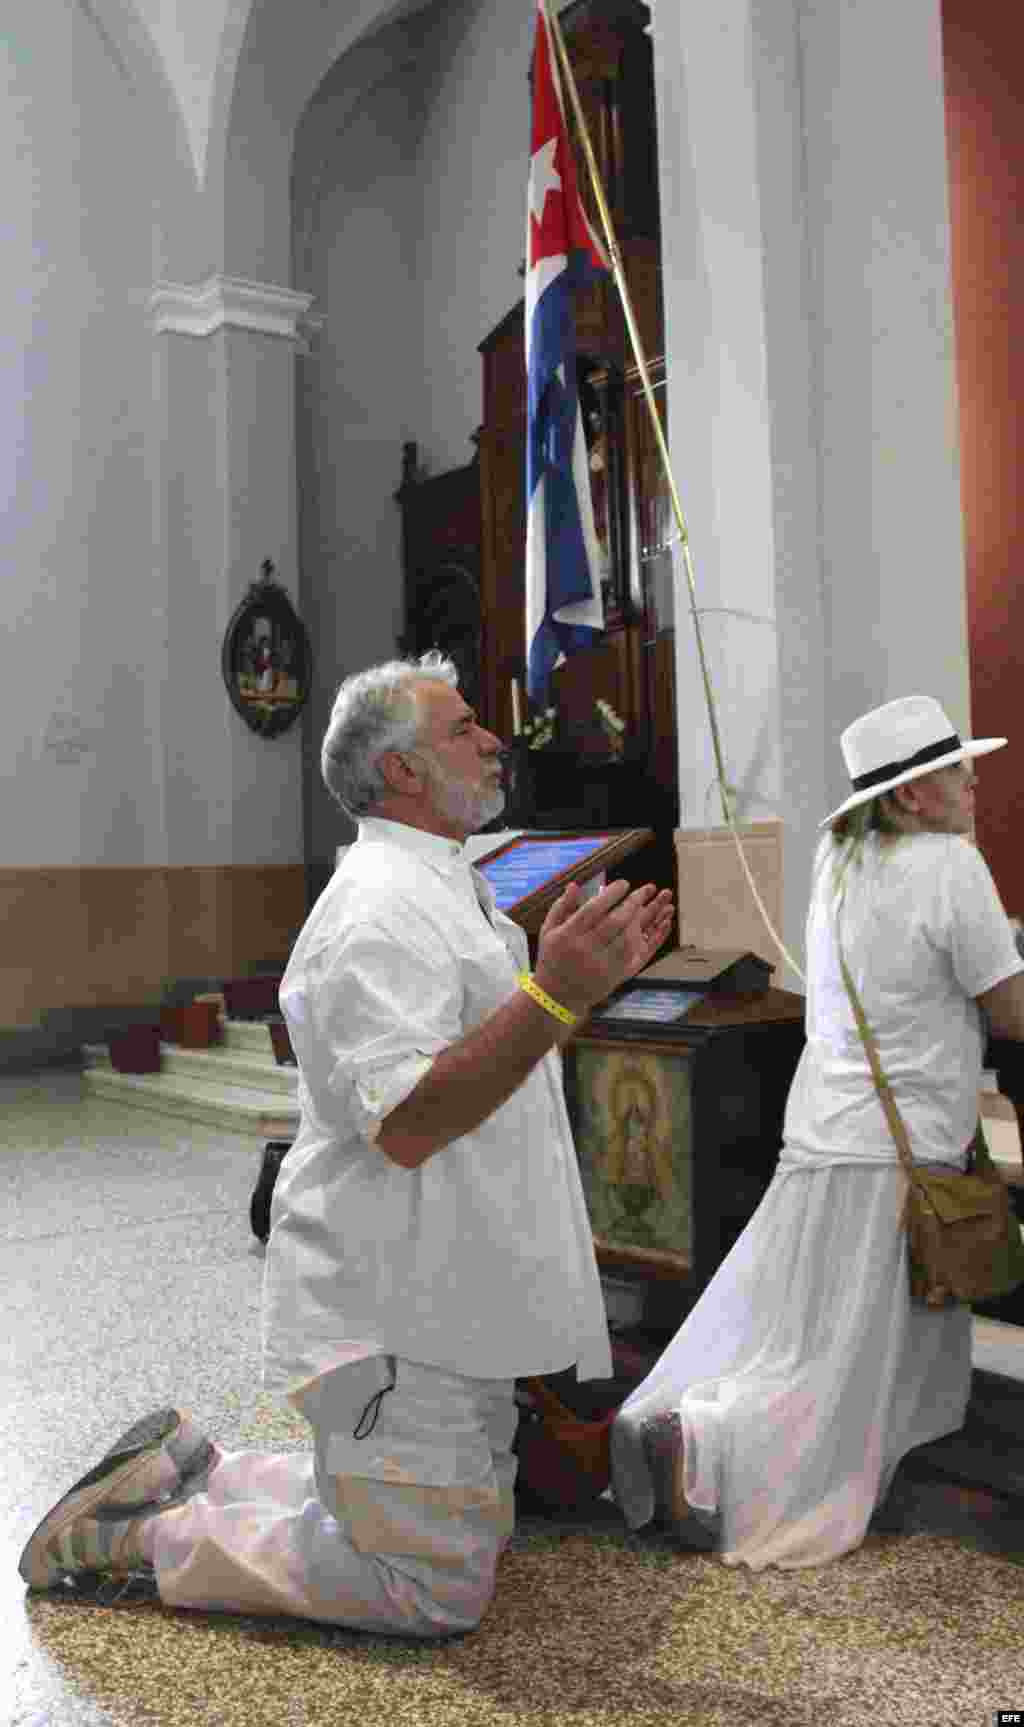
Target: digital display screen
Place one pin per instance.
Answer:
(530, 864)
(655, 1006)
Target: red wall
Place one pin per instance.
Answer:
(984, 66)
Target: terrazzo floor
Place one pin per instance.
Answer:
(130, 1279)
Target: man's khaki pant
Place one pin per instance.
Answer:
(398, 1529)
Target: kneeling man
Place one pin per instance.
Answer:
(429, 1238)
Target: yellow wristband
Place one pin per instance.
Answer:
(528, 982)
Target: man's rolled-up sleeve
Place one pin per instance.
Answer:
(383, 1007)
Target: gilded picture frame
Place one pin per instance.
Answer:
(265, 657)
(631, 1109)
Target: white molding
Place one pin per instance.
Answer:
(233, 303)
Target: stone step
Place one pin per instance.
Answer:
(219, 1065)
(233, 1066)
(247, 1034)
(270, 1114)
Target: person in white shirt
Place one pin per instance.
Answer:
(773, 1424)
(429, 1237)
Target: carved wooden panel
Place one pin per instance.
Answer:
(610, 51)
(503, 584)
(504, 367)
(441, 558)
(606, 672)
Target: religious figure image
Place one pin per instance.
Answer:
(260, 660)
(639, 1150)
(634, 1159)
(595, 433)
(265, 663)
(265, 658)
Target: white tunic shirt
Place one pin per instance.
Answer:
(923, 934)
(481, 1261)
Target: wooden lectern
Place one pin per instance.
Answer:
(529, 870)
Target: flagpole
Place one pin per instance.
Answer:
(684, 537)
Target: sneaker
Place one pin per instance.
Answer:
(94, 1529)
(175, 1451)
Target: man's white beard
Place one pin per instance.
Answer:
(469, 807)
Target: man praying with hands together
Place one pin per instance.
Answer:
(429, 1237)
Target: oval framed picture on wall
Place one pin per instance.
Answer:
(266, 658)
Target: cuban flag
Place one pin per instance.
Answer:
(564, 608)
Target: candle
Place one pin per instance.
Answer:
(517, 718)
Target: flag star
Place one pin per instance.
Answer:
(543, 177)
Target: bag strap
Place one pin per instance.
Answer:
(897, 1126)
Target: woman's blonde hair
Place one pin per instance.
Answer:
(878, 815)
(849, 832)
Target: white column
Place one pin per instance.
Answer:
(723, 436)
(718, 409)
(225, 361)
(878, 209)
(812, 417)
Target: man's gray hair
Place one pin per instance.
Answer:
(376, 711)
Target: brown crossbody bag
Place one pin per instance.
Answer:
(963, 1239)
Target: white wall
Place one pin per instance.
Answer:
(79, 749)
(713, 246)
(810, 341)
(791, 371)
(877, 199)
(357, 389)
(190, 37)
(472, 161)
(408, 205)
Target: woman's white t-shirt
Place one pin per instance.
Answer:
(923, 932)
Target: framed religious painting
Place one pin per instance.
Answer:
(631, 1106)
(265, 658)
(677, 1097)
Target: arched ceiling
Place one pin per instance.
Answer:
(288, 48)
(224, 84)
(166, 143)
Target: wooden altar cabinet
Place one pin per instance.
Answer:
(678, 1130)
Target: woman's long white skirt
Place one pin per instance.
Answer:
(799, 1380)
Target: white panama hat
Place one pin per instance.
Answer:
(898, 742)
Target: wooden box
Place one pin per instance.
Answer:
(200, 1025)
(135, 1049)
(172, 1022)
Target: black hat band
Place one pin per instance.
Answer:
(892, 770)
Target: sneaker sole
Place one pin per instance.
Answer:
(116, 1468)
